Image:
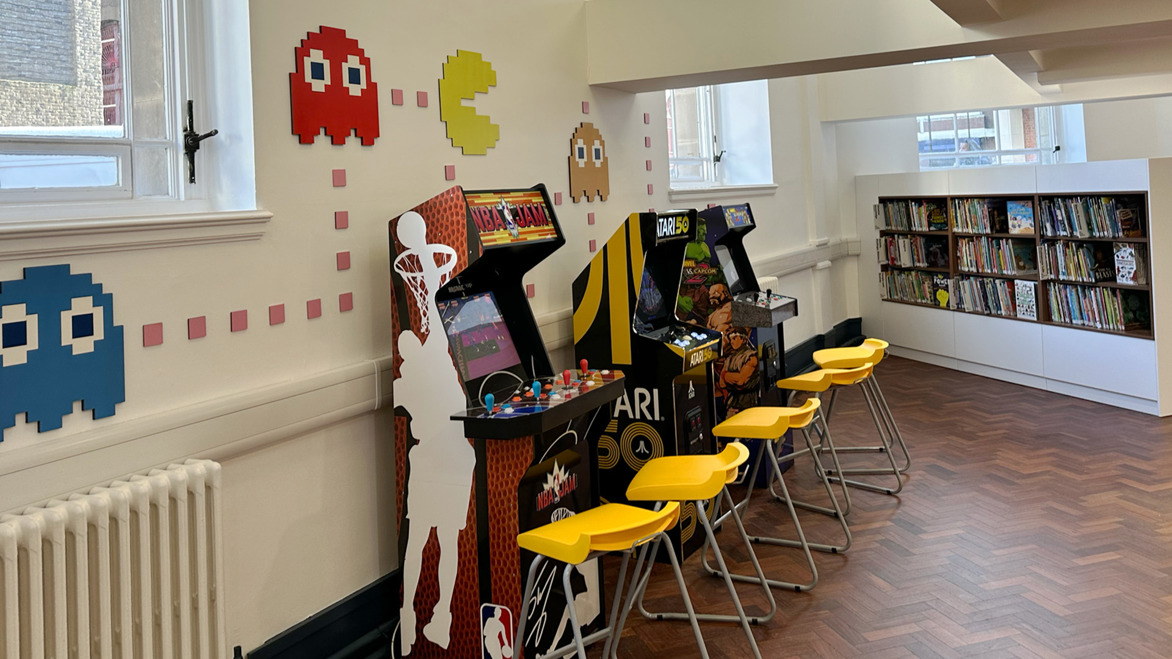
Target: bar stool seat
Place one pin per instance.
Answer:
(698, 479)
(872, 350)
(612, 527)
(771, 423)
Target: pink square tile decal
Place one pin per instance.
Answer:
(313, 308)
(152, 335)
(647, 142)
(197, 327)
(593, 246)
(343, 260)
(346, 302)
(589, 218)
(650, 210)
(648, 165)
(421, 99)
(240, 320)
(557, 199)
(646, 117)
(396, 97)
(276, 314)
(341, 219)
(339, 178)
(650, 189)
(530, 291)
(449, 172)
(712, 205)
(585, 107)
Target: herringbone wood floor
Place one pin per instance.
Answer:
(1031, 525)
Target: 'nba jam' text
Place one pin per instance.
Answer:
(491, 218)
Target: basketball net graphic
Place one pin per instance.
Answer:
(416, 265)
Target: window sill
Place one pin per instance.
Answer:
(25, 239)
(722, 192)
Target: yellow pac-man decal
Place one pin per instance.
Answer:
(465, 75)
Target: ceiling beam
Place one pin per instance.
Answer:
(970, 12)
(1132, 58)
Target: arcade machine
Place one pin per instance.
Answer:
(624, 317)
(720, 292)
(489, 440)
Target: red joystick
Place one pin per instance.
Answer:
(583, 364)
(566, 377)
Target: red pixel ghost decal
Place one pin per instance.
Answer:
(332, 89)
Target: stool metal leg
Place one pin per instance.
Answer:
(524, 615)
(907, 456)
(639, 584)
(577, 628)
(827, 442)
(834, 510)
(742, 505)
(885, 448)
(741, 617)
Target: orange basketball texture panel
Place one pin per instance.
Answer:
(507, 463)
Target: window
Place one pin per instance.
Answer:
(983, 138)
(719, 135)
(93, 104)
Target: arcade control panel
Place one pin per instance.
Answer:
(695, 345)
(537, 405)
(762, 309)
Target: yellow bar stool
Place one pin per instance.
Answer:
(612, 527)
(770, 423)
(872, 350)
(699, 479)
(816, 383)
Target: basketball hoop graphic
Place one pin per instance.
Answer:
(417, 265)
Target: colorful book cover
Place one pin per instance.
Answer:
(1025, 297)
(1130, 266)
(1021, 216)
(941, 285)
(1023, 258)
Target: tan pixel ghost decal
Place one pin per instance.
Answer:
(589, 168)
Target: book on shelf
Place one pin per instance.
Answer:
(1025, 294)
(942, 290)
(1130, 264)
(937, 216)
(1021, 216)
(1130, 221)
(1023, 258)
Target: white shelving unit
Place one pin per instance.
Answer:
(1117, 370)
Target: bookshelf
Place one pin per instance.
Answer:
(1046, 258)
(992, 333)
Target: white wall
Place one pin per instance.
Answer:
(1140, 128)
(299, 413)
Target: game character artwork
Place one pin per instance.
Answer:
(589, 166)
(331, 89)
(58, 344)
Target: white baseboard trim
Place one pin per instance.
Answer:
(1145, 405)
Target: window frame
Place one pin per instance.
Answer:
(208, 39)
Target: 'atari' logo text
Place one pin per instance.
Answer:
(646, 405)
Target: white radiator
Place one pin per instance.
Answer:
(130, 570)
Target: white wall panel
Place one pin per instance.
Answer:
(919, 328)
(1009, 344)
(1112, 176)
(1109, 362)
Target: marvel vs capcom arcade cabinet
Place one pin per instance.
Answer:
(624, 317)
(720, 292)
(489, 441)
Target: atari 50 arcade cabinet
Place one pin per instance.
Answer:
(624, 318)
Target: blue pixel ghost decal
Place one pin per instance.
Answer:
(58, 344)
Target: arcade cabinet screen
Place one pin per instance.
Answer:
(730, 269)
(652, 310)
(478, 336)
